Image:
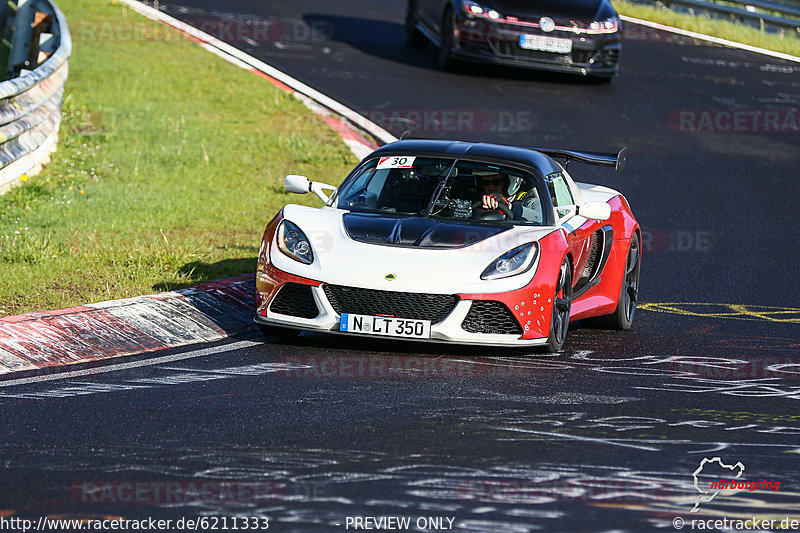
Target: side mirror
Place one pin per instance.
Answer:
(302, 185)
(297, 184)
(595, 210)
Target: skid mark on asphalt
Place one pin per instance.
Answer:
(125, 366)
(319, 487)
(764, 376)
(565, 436)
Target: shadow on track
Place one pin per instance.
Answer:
(386, 40)
(579, 339)
(199, 272)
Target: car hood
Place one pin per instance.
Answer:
(406, 265)
(558, 9)
(416, 231)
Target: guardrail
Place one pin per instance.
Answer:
(778, 16)
(30, 103)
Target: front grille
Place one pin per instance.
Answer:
(582, 56)
(608, 57)
(490, 317)
(476, 46)
(354, 300)
(513, 49)
(559, 22)
(295, 299)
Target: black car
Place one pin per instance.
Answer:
(576, 36)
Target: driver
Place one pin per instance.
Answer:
(498, 187)
(493, 184)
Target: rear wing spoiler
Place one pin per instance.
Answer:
(592, 158)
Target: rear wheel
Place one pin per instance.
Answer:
(446, 60)
(413, 36)
(622, 317)
(559, 323)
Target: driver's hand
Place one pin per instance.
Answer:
(489, 201)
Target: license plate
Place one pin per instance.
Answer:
(545, 44)
(386, 326)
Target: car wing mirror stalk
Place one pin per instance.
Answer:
(302, 185)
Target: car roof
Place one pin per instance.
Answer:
(496, 152)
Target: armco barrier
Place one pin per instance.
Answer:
(30, 104)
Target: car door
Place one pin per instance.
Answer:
(579, 234)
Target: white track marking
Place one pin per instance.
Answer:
(709, 38)
(134, 364)
(579, 438)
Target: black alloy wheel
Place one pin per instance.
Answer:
(562, 304)
(629, 293)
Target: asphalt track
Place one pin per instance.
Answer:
(603, 436)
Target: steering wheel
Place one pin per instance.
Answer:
(502, 207)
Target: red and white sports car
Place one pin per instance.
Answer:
(451, 241)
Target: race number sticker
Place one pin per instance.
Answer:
(396, 161)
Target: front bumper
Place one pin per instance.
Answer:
(498, 43)
(450, 329)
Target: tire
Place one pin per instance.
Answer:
(445, 59)
(413, 36)
(559, 322)
(622, 317)
(276, 331)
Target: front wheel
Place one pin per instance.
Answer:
(449, 36)
(413, 36)
(559, 323)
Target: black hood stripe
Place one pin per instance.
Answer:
(416, 232)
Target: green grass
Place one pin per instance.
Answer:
(170, 162)
(788, 43)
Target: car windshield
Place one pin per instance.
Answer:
(443, 188)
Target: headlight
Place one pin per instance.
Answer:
(609, 25)
(517, 261)
(294, 243)
(474, 8)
